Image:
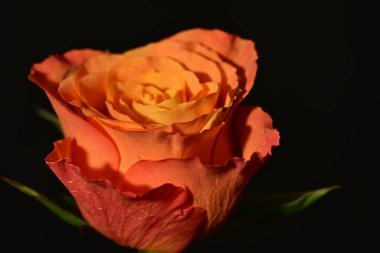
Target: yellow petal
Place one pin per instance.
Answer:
(184, 112)
(92, 91)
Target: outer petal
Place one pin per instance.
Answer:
(215, 188)
(248, 133)
(76, 57)
(46, 74)
(239, 52)
(161, 219)
(254, 131)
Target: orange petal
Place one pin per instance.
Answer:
(74, 125)
(48, 73)
(162, 80)
(214, 188)
(164, 64)
(135, 145)
(101, 62)
(205, 69)
(116, 114)
(254, 132)
(184, 112)
(76, 57)
(69, 92)
(229, 78)
(241, 53)
(92, 143)
(181, 80)
(163, 219)
(125, 125)
(129, 67)
(92, 91)
(192, 127)
(197, 60)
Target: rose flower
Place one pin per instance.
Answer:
(157, 149)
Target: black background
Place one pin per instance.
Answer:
(312, 79)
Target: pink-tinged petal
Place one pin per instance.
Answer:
(48, 73)
(51, 71)
(161, 219)
(216, 188)
(241, 53)
(254, 131)
(88, 155)
(77, 56)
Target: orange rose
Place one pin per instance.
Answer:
(157, 150)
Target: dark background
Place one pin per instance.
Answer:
(312, 79)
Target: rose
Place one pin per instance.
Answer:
(157, 149)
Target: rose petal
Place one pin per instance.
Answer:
(48, 73)
(131, 66)
(157, 144)
(100, 157)
(92, 91)
(101, 63)
(161, 219)
(183, 112)
(67, 89)
(254, 132)
(229, 78)
(205, 69)
(192, 127)
(89, 155)
(164, 80)
(214, 188)
(119, 116)
(239, 52)
(76, 57)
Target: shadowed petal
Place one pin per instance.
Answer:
(241, 53)
(157, 144)
(46, 74)
(255, 133)
(248, 133)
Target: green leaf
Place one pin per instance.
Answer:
(257, 208)
(56, 209)
(51, 117)
(69, 200)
